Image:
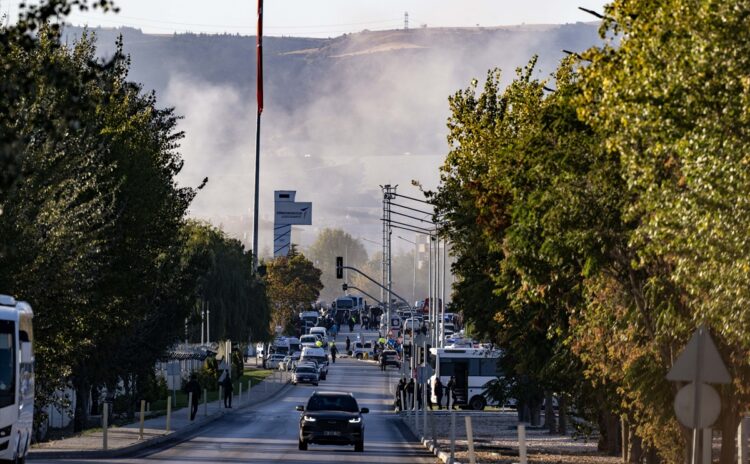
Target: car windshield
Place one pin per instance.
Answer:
(332, 403)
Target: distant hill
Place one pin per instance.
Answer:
(343, 115)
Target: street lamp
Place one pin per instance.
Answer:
(414, 281)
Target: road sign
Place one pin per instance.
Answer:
(710, 406)
(700, 361)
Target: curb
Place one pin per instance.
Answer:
(428, 444)
(131, 450)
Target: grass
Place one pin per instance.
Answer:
(255, 376)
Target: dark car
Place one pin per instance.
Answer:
(332, 418)
(305, 374)
(391, 358)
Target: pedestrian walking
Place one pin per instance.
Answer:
(348, 345)
(419, 396)
(382, 362)
(352, 323)
(451, 391)
(228, 388)
(195, 388)
(439, 392)
(400, 393)
(334, 351)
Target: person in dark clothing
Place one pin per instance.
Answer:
(352, 323)
(450, 391)
(419, 396)
(401, 392)
(195, 388)
(348, 344)
(410, 394)
(439, 392)
(228, 388)
(382, 363)
(334, 351)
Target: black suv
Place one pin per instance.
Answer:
(332, 418)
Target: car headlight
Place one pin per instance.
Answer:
(309, 419)
(355, 420)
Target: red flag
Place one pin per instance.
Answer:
(260, 56)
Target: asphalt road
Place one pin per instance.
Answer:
(268, 433)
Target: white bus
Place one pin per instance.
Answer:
(16, 379)
(472, 368)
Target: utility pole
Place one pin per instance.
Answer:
(259, 82)
(389, 193)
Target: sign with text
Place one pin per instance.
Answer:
(293, 213)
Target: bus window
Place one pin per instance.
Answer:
(474, 367)
(7, 363)
(489, 367)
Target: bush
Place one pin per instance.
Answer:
(154, 388)
(208, 376)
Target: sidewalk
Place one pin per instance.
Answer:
(124, 441)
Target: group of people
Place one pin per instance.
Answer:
(409, 388)
(194, 387)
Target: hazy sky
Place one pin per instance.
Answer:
(328, 17)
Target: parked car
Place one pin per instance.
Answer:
(306, 373)
(332, 418)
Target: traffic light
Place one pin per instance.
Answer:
(344, 287)
(339, 267)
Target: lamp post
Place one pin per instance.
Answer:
(414, 281)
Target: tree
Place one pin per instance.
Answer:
(329, 244)
(669, 94)
(236, 298)
(293, 284)
(93, 227)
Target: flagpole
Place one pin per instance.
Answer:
(257, 131)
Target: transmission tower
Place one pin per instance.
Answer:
(406, 20)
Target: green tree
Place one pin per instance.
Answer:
(293, 284)
(669, 92)
(93, 227)
(236, 298)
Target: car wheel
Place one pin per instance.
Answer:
(315, 383)
(302, 445)
(359, 447)
(477, 403)
(359, 355)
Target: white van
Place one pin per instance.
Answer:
(320, 331)
(316, 354)
(308, 341)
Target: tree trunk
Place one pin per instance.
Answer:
(652, 457)
(536, 414)
(81, 418)
(549, 413)
(635, 453)
(625, 427)
(613, 434)
(562, 415)
(728, 422)
(94, 409)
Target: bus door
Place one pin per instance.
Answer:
(461, 373)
